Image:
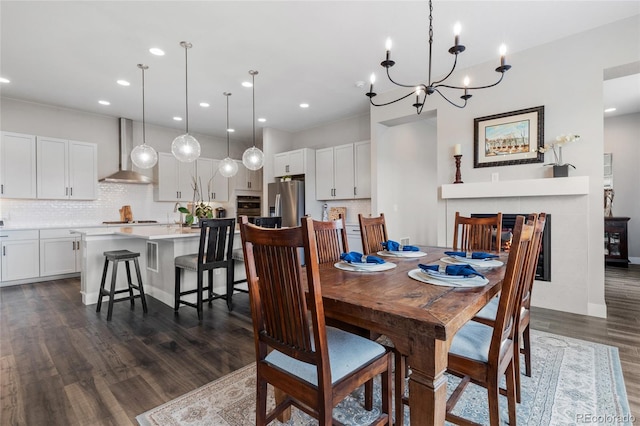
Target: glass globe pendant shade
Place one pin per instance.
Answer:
(228, 167)
(144, 156)
(185, 148)
(253, 158)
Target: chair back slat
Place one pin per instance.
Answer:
(477, 233)
(373, 231)
(507, 315)
(282, 319)
(331, 239)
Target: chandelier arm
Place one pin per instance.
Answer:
(448, 100)
(436, 83)
(400, 84)
(448, 86)
(391, 102)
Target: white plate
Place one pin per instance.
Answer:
(475, 281)
(478, 263)
(364, 267)
(409, 254)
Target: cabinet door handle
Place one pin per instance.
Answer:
(66, 190)
(71, 191)
(287, 168)
(4, 250)
(73, 245)
(2, 188)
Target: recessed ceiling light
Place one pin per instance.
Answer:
(4, 80)
(104, 102)
(177, 118)
(262, 120)
(231, 130)
(304, 105)
(247, 84)
(204, 105)
(609, 110)
(123, 83)
(156, 51)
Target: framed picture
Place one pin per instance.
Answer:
(509, 138)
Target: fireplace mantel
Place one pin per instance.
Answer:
(578, 185)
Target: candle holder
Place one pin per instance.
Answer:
(458, 176)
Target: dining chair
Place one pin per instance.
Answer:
(373, 231)
(482, 354)
(331, 239)
(313, 365)
(238, 256)
(487, 315)
(477, 233)
(214, 252)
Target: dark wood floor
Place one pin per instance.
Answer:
(63, 364)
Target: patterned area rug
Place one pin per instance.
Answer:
(573, 381)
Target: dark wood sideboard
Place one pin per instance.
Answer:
(616, 250)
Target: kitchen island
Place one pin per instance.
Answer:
(158, 246)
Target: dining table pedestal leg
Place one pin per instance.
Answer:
(427, 382)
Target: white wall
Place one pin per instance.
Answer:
(566, 77)
(622, 139)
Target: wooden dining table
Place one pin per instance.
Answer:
(421, 319)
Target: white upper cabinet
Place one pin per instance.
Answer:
(215, 187)
(17, 166)
(248, 180)
(290, 163)
(343, 172)
(175, 178)
(66, 169)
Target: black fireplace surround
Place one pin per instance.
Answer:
(543, 270)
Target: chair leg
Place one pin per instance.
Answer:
(210, 286)
(140, 287)
(511, 392)
(261, 402)
(387, 398)
(526, 340)
(230, 279)
(516, 366)
(199, 295)
(176, 305)
(114, 274)
(368, 395)
(399, 379)
(493, 391)
(129, 283)
(104, 278)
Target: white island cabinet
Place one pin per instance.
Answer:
(158, 246)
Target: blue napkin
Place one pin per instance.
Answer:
(474, 255)
(463, 270)
(394, 246)
(355, 257)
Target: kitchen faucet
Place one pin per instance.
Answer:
(176, 208)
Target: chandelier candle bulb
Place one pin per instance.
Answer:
(503, 53)
(456, 32)
(457, 149)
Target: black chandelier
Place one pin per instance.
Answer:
(423, 90)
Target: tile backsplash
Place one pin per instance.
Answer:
(111, 197)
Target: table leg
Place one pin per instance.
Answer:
(427, 382)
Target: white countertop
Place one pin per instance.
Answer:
(153, 232)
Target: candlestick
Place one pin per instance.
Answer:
(458, 175)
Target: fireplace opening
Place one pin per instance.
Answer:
(543, 270)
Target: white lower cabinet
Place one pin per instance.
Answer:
(354, 238)
(20, 255)
(59, 252)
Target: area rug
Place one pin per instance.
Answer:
(573, 382)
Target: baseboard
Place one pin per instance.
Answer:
(634, 260)
(597, 310)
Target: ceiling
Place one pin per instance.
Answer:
(70, 53)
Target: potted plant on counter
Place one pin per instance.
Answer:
(560, 169)
(198, 209)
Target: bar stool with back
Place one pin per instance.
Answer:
(214, 251)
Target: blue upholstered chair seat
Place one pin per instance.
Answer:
(490, 310)
(347, 353)
(472, 341)
(187, 261)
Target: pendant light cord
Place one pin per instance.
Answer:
(228, 149)
(144, 134)
(253, 95)
(186, 86)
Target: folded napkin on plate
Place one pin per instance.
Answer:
(463, 270)
(395, 246)
(474, 255)
(355, 257)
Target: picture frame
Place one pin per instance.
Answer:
(509, 138)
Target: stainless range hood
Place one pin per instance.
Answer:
(126, 174)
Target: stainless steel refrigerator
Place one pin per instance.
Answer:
(286, 199)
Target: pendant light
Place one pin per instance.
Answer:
(185, 147)
(143, 155)
(228, 167)
(253, 158)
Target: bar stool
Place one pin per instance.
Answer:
(117, 256)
